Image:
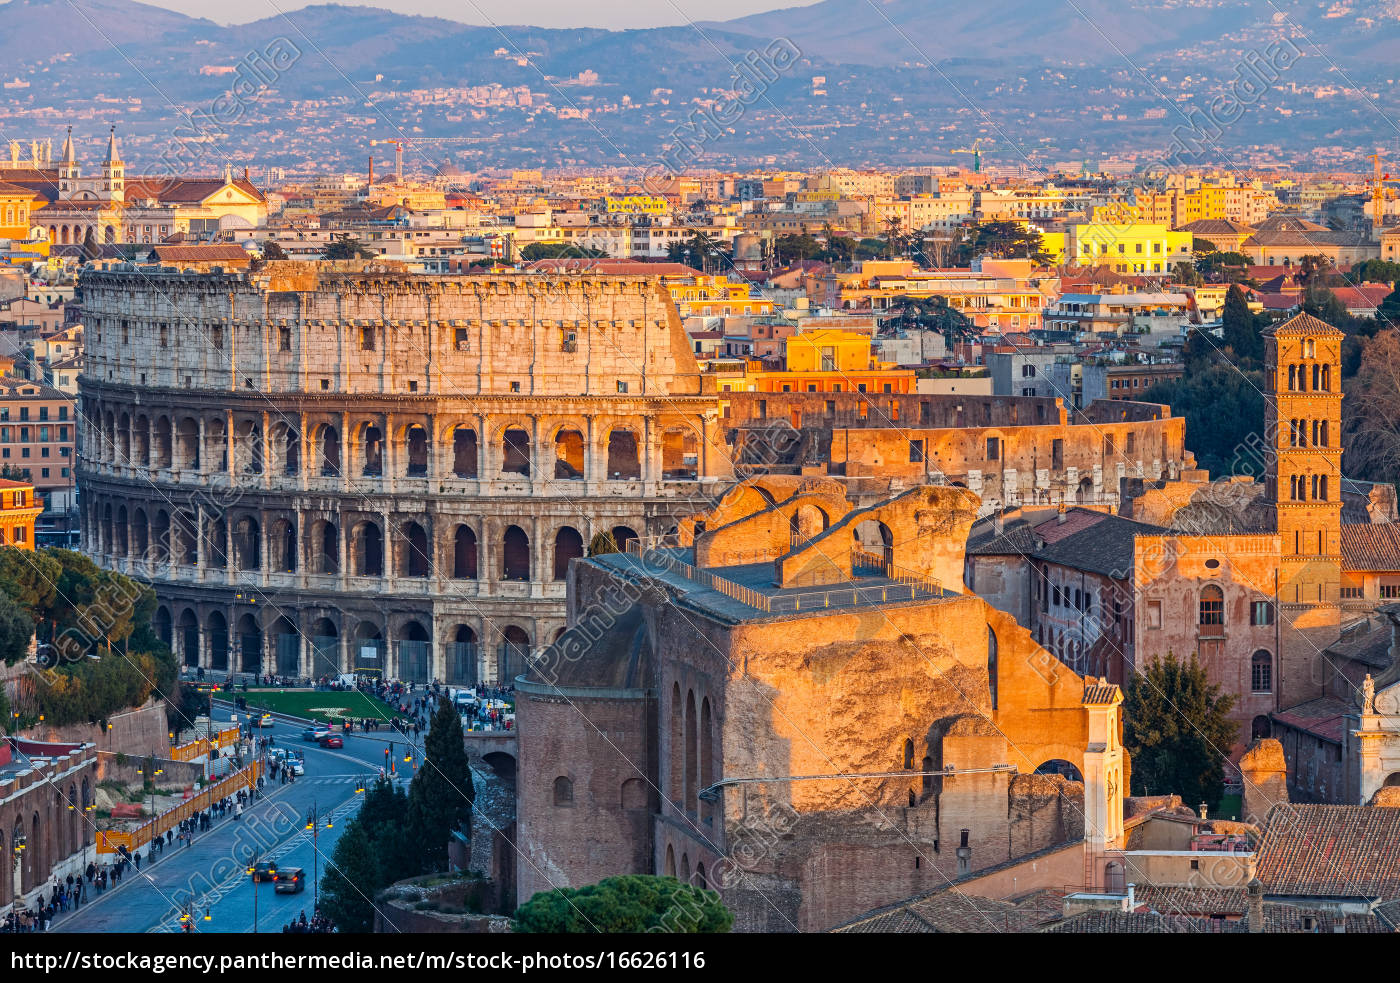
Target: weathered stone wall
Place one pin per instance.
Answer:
(58, 839)
(1265, 774)
(137, 732)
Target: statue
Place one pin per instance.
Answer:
(1368, 695)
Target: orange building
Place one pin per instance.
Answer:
(19, 508)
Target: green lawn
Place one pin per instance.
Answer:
(327, 706)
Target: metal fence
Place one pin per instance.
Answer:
(511, 660)
(414, 660)
(288, 655)
(465, 669)
(325, 655)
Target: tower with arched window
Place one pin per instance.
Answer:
(1303, 419)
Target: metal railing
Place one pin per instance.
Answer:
(745, 595)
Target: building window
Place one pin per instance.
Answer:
(1261, 613)
(993, 448)
(1390, 592)
(916, 451)
(563, 791)
(1212, 605)
(1261, 672)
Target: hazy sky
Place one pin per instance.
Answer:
(614, 14)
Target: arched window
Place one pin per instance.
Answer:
(992, 664)
(1261, 672)
(1322, 489)
(1261, 727)
(563, 791)
(1212, 605)
(1324, 442)
(908, 755)
(1317, 377)
(1292, 377)
(1327, 378)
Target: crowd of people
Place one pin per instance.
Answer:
(319, 924)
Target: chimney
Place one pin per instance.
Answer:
(964, 854)
(1132, 898)
(998, 522)
(1060, 516)
(1255, 891)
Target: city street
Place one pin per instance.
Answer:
(213, 871)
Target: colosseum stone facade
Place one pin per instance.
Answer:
(329, 466)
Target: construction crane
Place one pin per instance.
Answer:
(398, 157)
(976, 151)
(1378, 181)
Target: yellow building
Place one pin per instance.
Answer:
(829, 350)
(19, 507)
(714, 296)
(1134, 247)
(15, 203)
(636, 204)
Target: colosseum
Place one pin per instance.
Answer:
(325, 467)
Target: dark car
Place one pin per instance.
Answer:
(265, 871)
(289, 880)
(331, 740)
(315, 732)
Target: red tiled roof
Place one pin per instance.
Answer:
(202, 253)
(1323, 717)
(1331, 851)
(1371, 546)
(1302, 324)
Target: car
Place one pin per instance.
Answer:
(331, 740)
(296, 766)
(263, 721)
(315, 732)
(289, 880)
(265, 870)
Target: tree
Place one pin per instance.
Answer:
(91, 251)
(629, 903)
(1240, 328)
(1006, 240)
(1177, 730)
(603, 542)
(1323, 304)
(271, 250)
(1221, 267)
(1371, 411)
(559, 250)
(1375, 271)
(1223, 406)
(351, 881)
(933, 314)
(440, 799)
(345, 246)
(16, 630)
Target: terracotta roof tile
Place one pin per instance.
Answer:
(1371, 546)
(1331, 851)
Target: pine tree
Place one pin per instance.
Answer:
(440, 800)
(1177, 730)
(351, 881)
(1241, 332)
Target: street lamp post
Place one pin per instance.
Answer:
(253, 873)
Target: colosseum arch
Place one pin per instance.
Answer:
(369, 441)
(163, 446)
(248, 448)
(108, 438)
(142, 440)
(367, 549)
(515, 451)
(367, 646)
(680, 454)
(414, 555)
(282, 546)
(325, 648)
(189, 636)
(184, 533)
(328, 450)
(464, 668)
(286, 647)
(121, 529)
(465, 557)
(286, 448)
(515, 554)
(513, 654)
(464, 451)
(160, 551)
(124, 439)
(140, 533)
(250, 642)
(416, 451)
(108, 529)
(247, 544)
(216, 635)
(624, 458)
(568, 545)
(570, 462)
(216, 444)
(215, 542)
(323, 548)
(163, 625)
(187, 442)
(415, 653)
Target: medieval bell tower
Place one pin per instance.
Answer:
(1303, 420)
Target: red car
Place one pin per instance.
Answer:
(331, 740)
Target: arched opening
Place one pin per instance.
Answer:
(874, 545)
(807, 523)
(1061, 767)
(160, 549)
(216, 632)
(1115, 880)
(1260, 727)
(515, 554)
(325, 547)
(123, 525)
(367, 549)
(417, 447)
(1084, 494)
(670, 861)
(691, 753)
(189, 637)
(680, 455)
(634, 794)
(108, 530)
(676, 789)
(563, 791)
(568, 455)
(328, 444)
(992, 664)
(464, 553)
(513, 655)
(1261, 672)
(684, 873)
(621, 536)
(624, 464)
(164, 626)
(1212, 606)
(415, 559)
(246, 544)
(140, 534)
(908, 757)
(286, 647)
(283, 546)
(124, 439)
(464, 452)
(188, 441)
(371, 450)
(289, 441)
(186, 526)
(568, 545)
(249, 644)
(143, 441)
(368, 648)
(464, 671)
(325, 648)
(515, 452)
(415, 653)
(1392, 780)
(217, 445)
(248, 448)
